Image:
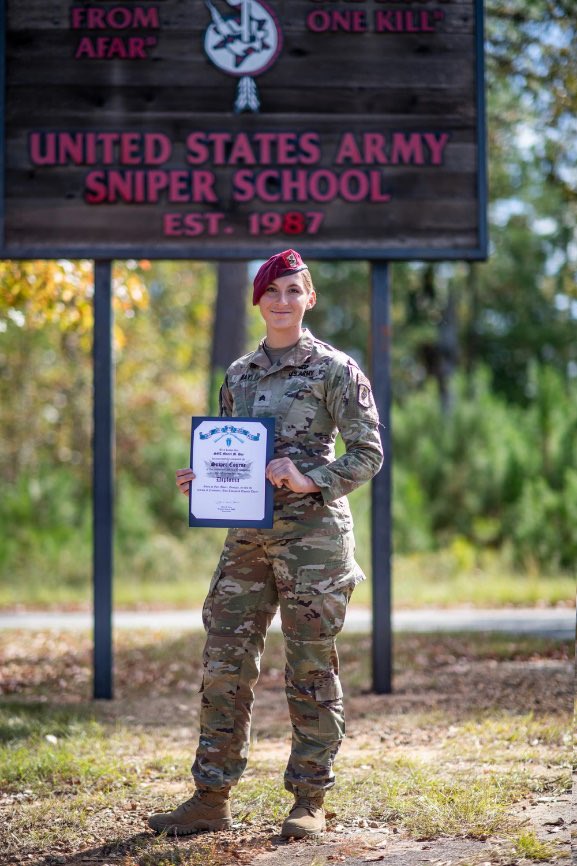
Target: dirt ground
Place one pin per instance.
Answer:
(442, 688)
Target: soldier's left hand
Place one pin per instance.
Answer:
(283, 473)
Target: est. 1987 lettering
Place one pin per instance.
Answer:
(193, 224)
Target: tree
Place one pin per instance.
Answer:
(530, 46)
(45, 372)
(229, 331)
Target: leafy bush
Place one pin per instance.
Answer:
(494, 474)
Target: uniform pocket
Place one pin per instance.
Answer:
(334, 611)
(329, 699)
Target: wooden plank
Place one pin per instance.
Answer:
(76, 103)
(372, 75)
(411, 219)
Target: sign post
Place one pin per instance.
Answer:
(103, 479)
(381, 490)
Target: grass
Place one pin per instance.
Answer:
(405, 793)
(543, 740)
(44, 748)
(426, 803)
(89, 769)
(528, 846)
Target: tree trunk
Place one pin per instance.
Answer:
(471, 341)
(448, 352)
(440, 356)
(229, 333)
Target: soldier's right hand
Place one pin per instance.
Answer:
(183, 479)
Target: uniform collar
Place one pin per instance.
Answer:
(297, 355)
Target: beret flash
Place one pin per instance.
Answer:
(279, 265)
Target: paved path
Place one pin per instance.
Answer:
(547, 622)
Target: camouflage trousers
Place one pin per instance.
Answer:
(311, 579)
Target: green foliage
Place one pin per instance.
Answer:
(489, 474)
(542, 523)
(530, 847)
(50, 748)
(530, 54)
(47, 517)
(18, 722)
(342, 313)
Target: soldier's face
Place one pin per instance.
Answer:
(285, 302)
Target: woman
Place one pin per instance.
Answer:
(305, 564)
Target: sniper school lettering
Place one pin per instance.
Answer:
(130, 171)
(242, 120)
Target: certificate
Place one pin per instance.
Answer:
(229, 457)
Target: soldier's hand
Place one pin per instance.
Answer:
(283, 473)
(183, 479)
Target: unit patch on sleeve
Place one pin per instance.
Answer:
(364, 395)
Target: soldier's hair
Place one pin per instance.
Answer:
(307, 280)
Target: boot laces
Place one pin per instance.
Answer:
(191, 800)
(308, 803)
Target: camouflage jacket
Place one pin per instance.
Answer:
(313, 392)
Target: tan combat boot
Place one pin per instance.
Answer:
(206, 810)
(306, 818)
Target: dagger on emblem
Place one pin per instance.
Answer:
(244, 43)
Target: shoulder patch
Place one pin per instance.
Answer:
(364, 393)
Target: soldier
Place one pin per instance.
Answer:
(305, 564)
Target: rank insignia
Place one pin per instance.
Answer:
(262, 399)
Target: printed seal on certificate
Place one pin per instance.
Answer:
(229, 457)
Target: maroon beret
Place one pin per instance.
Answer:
(279, 265)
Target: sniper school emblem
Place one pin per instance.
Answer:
(243, 43)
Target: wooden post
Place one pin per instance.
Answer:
(103, 478)
(381, 491)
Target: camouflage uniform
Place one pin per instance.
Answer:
(305, 564)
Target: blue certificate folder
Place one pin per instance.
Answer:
(226, 431)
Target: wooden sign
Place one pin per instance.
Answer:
(232, 128)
